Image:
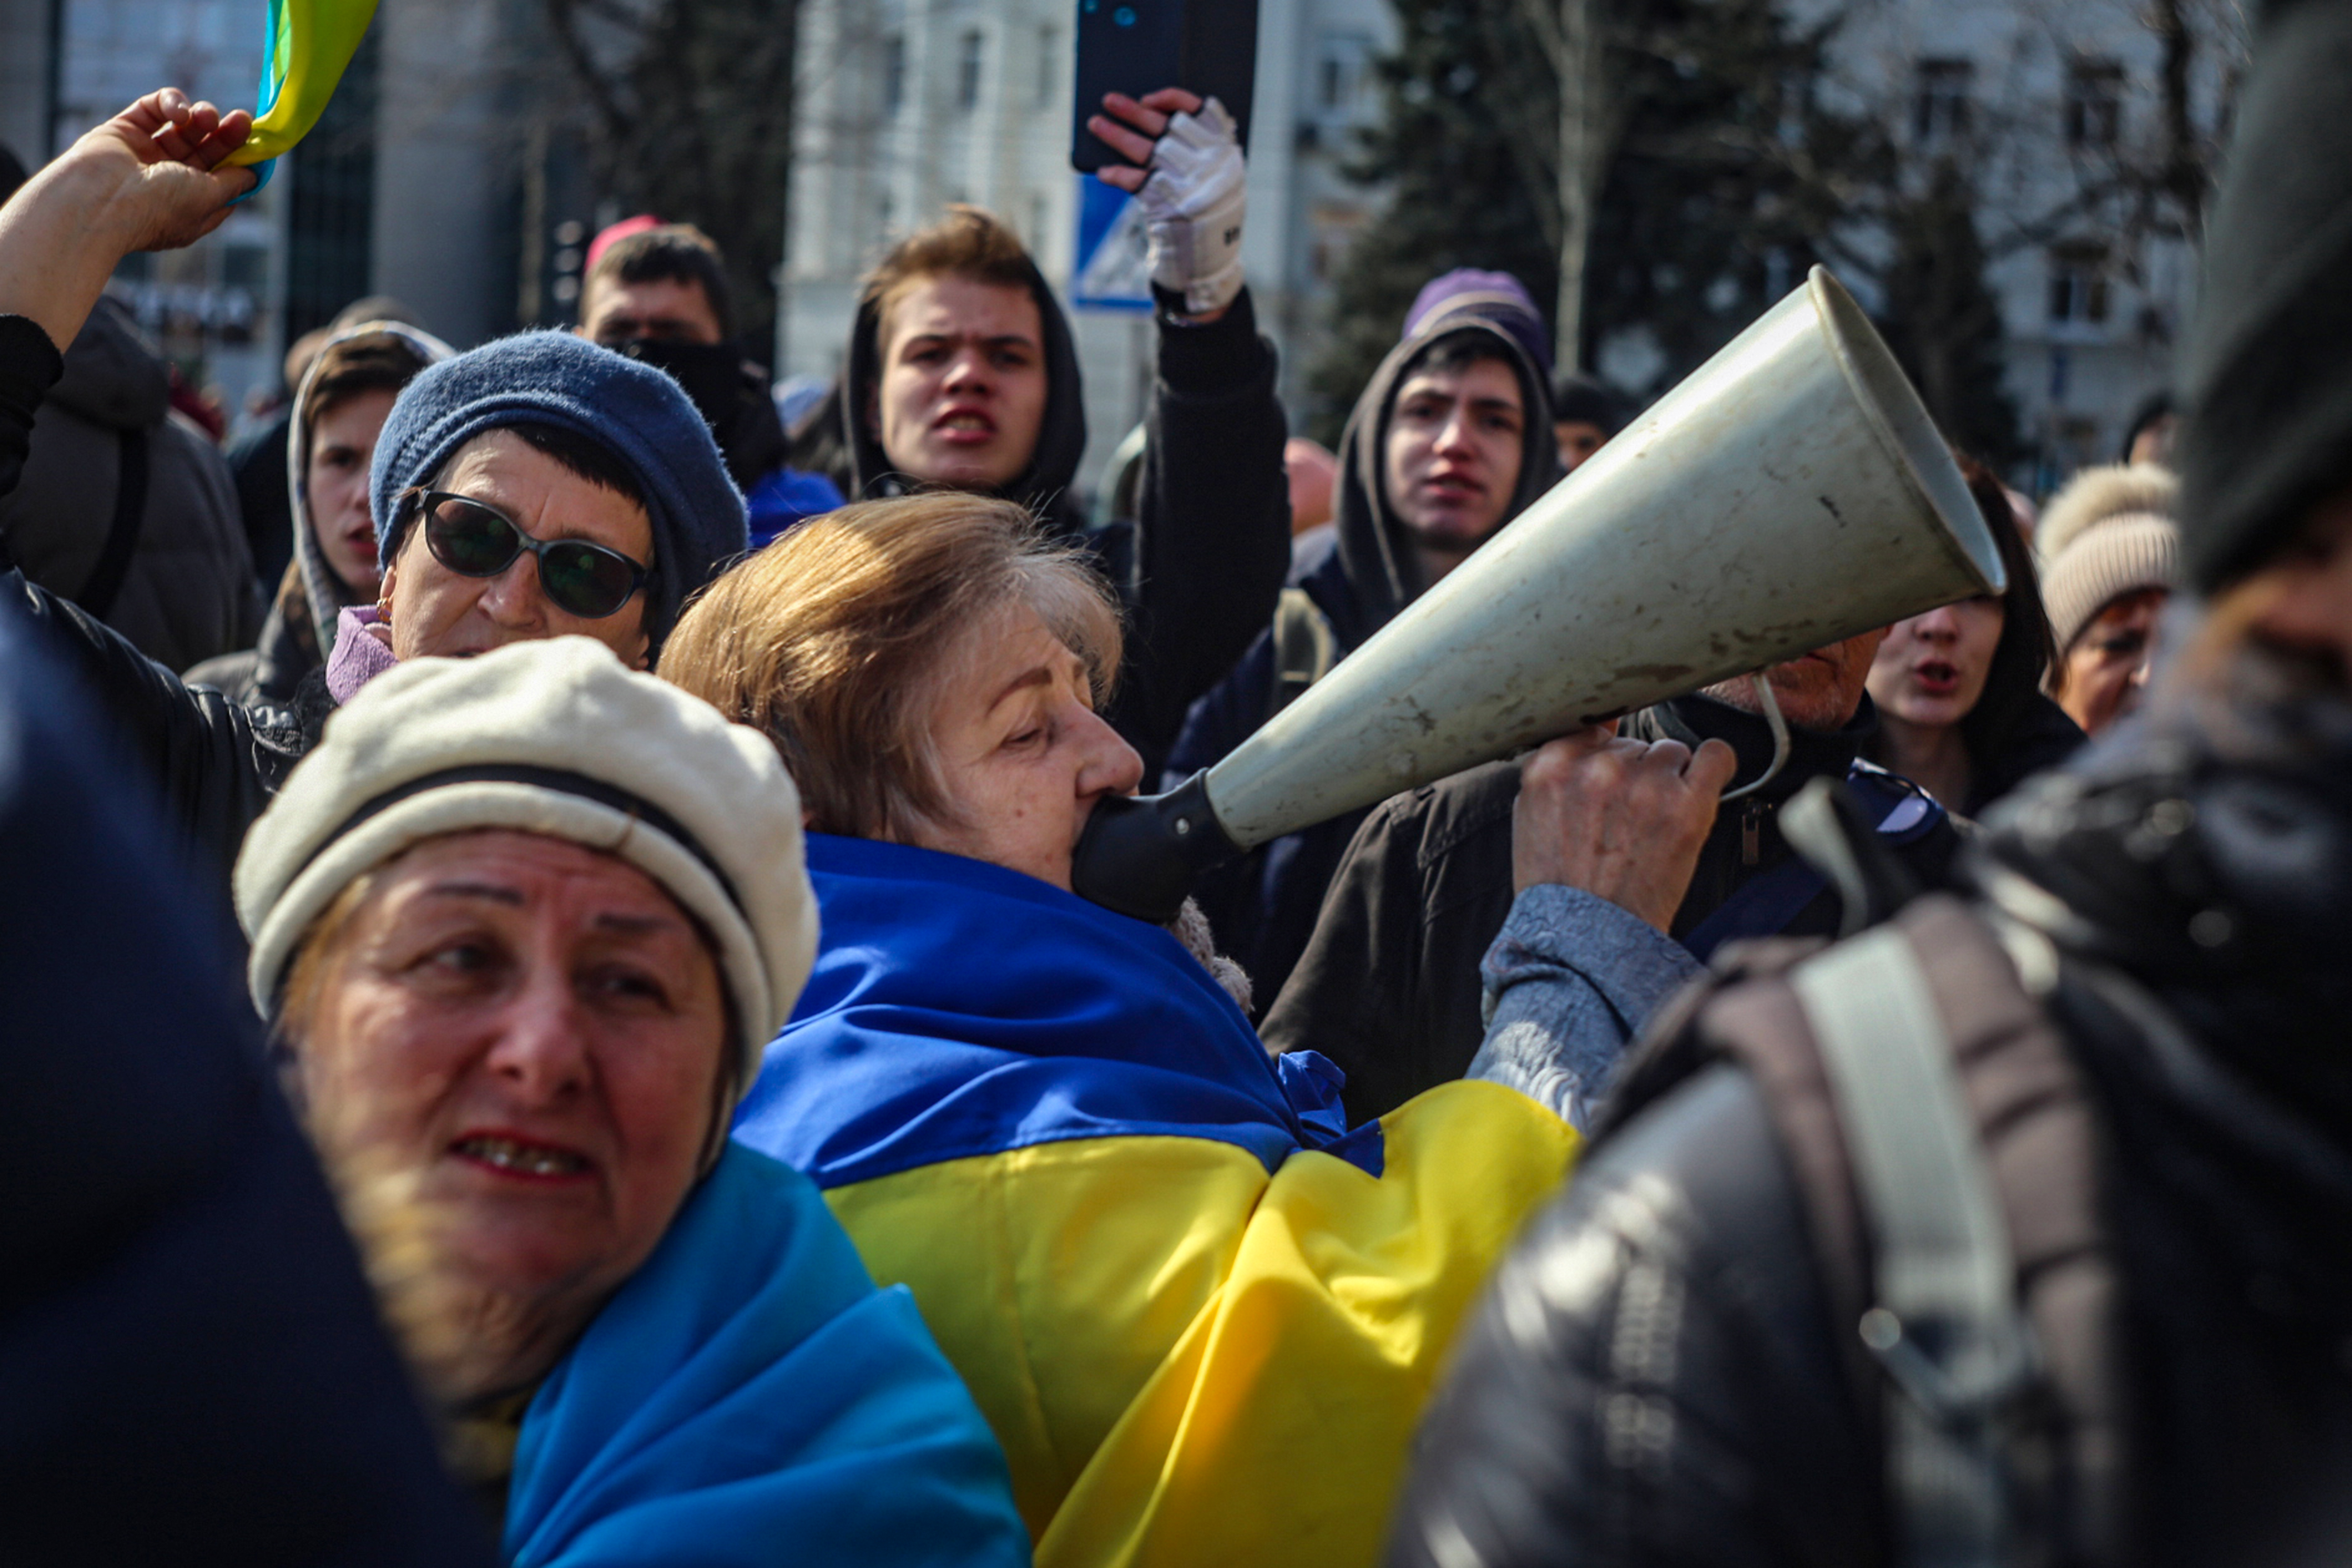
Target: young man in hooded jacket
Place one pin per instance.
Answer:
(961, 373)
(1450, 440)
(2083, 1293)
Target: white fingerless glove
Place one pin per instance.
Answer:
(1192, 209)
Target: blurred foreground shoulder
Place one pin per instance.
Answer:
(1651, 1377)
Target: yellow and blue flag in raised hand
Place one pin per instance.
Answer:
(310, 44)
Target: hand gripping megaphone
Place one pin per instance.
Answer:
(1790, 493)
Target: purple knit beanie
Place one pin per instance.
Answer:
(1496, 296)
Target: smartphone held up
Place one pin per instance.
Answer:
(1136, 46)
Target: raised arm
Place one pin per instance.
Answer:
(1214, 512)
(145, 180)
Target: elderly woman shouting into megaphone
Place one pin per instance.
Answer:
(1201, 1310)
(522, 923)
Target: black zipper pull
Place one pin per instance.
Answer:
(1751, 832)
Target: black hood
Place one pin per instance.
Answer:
(2265, 384)
(1374, 551)
(2205, 846)
(1044, 485)
(2207, 853)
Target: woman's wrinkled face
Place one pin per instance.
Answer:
(531, 1032)
(1022, 752)
(435, 613)
(2107, 664)
(1931, 669)
(335, 484)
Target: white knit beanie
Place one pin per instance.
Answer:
(2108, 532)
(555, 738)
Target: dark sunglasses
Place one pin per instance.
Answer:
(476, 541)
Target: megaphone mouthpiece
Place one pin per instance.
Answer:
(1140, 855)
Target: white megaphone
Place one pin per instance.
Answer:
(1789, 493)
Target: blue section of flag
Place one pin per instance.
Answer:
(959, 1009)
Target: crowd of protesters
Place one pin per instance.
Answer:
(567, 1035)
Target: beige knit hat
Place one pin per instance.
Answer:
(2109, 533)
(556, 737)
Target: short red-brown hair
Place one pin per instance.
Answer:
(967, 243)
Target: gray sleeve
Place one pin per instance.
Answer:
(1570, 980)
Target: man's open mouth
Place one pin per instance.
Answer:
(965, 425)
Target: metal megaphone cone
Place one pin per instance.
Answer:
(1790, 493)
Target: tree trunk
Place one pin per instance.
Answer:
(1576, 49)
(2184, 173)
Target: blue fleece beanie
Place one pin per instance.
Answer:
(634, 411)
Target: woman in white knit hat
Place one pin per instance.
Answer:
(521, 924)
(2111, 556)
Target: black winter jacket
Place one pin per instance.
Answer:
(217, 763)
(187, 589)
(1657, 1377)
(1262, 906)
(196, 1369)
(1198, 570)
(1388, 987)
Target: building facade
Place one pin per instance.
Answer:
(213, 307)
(433, 175)
(909, 105)
(2057, 116)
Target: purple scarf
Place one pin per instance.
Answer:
(362, 652)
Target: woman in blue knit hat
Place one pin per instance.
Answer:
(539, 486)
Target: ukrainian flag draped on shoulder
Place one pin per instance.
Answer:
(748, 1398)
(1202, 1313)
(309, 45)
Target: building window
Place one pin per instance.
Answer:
(1940, 112)
(894, 74)
(1341, 68)
(968, 62)
(1049, 64)
(2095, 101)
(2078, 285)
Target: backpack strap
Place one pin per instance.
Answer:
(1305, 647)
(105, 584)
(2034, 1389)
(1946, 1323)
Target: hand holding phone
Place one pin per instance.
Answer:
(1131, 128)
(1185, 172)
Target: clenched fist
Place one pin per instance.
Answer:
(1624, 820)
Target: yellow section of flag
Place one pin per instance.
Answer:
(311, 43)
